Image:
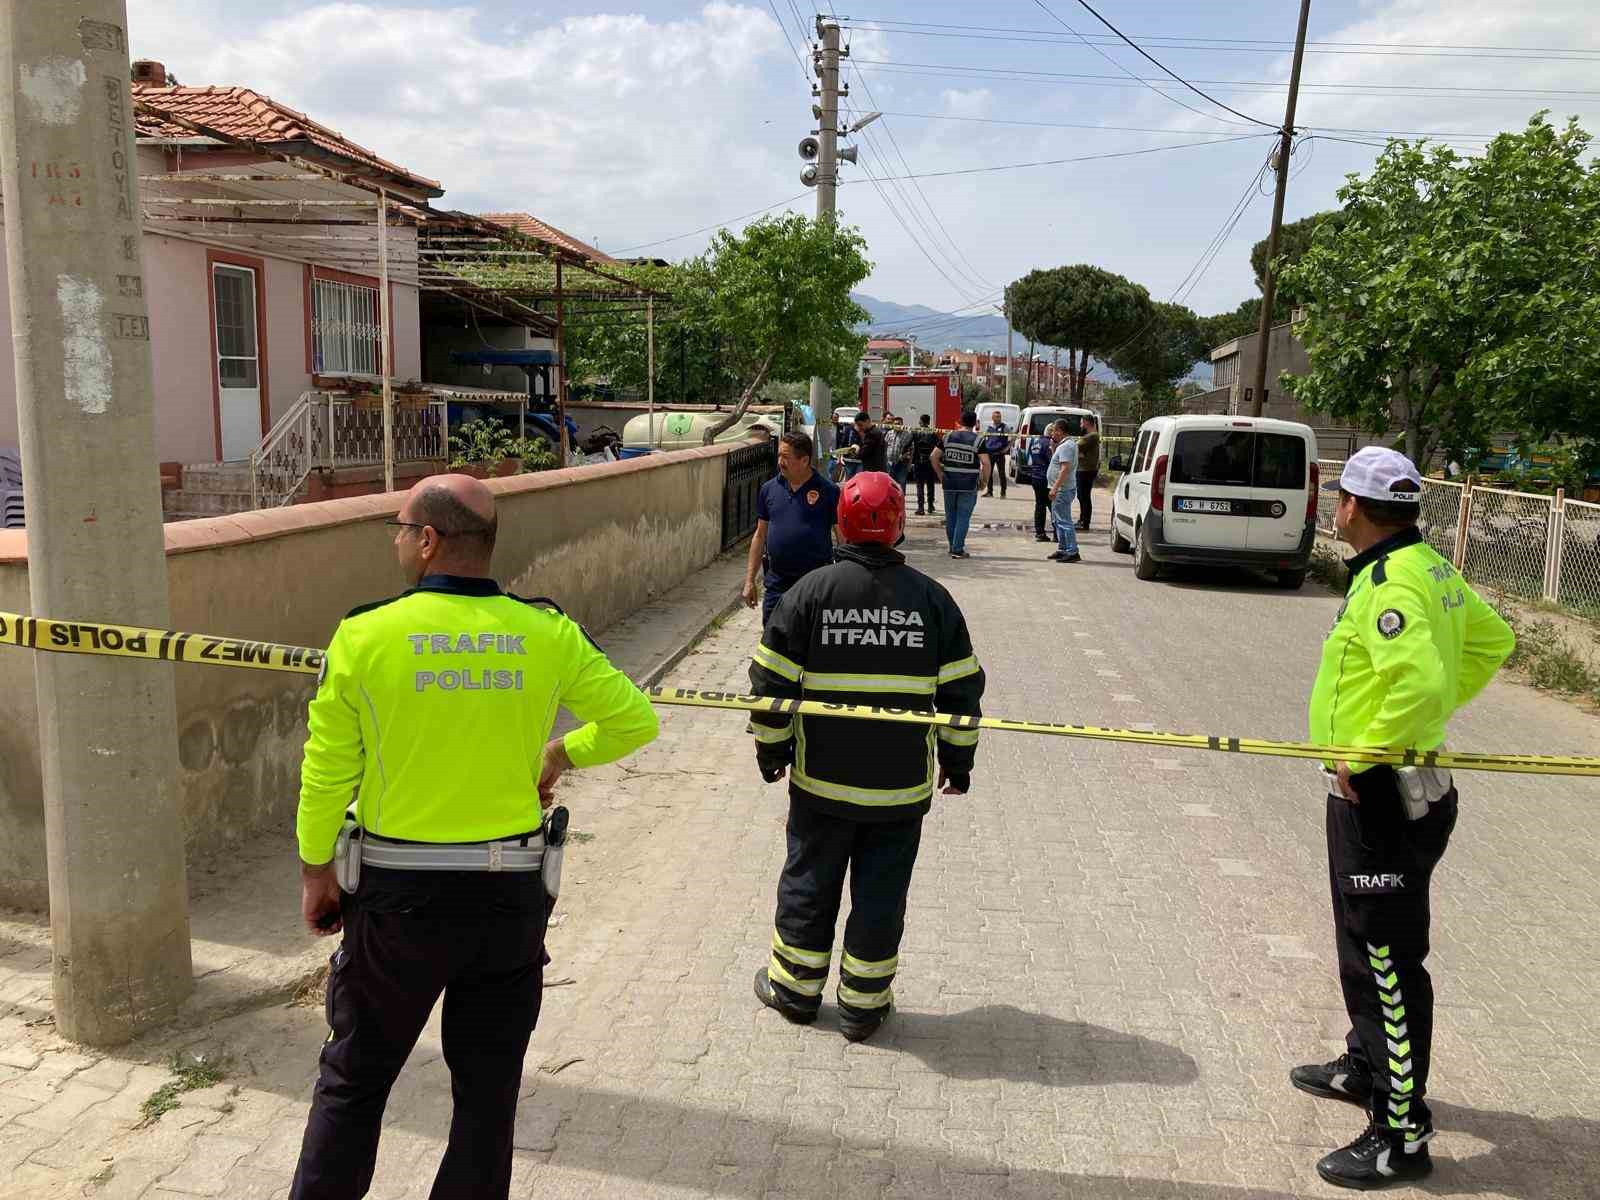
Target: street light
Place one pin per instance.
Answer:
(864, 122)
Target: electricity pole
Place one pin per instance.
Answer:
(119, 917)
(827, 68)
(1008, 355)
(1269, 285)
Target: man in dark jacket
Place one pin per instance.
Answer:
(924, 441)
(867, 630)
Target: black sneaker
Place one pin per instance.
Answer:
(1071, 558)
(1039, 537)
(959, 554)
(1345, 1078)
(1056, 557)
(1378, 1158)
(769, 996)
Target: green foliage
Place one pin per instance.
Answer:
(1165, 349)
(483, 443)
(1082, 309)
(536, 453)
(1242, 321)
(190, 1074)
(1294, 239)
(973, 394)
(1459, 295)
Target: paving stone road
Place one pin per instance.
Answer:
(1113, 956)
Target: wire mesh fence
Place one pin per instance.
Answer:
(1441, 515)
(1577, 574)
(1508, 541)
(1328, 469)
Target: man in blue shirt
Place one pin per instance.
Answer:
(1061, 476)
(795, 514)
(962, 466)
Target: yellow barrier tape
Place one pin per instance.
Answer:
(122, 641)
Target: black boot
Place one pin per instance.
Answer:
(1345, 1078)
(1378, 1158)
(774, 999)
(858, 1024)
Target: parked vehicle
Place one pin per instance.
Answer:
(1009, 413)
(1031, 426)
(1220, 491)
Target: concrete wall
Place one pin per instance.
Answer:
(602, 541)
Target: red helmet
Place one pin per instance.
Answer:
(872, 508)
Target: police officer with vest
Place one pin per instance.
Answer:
(1411, 645)
(867, 630)
(962, 465)
(434, 714)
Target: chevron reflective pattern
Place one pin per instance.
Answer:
(1397, 1037)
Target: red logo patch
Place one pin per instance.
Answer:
(813, 496)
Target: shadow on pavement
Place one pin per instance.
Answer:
(1001, 1041)
(1531, 1158)
(1206, 579)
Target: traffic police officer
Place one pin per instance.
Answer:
(1411, 645)
(434, 713)
(867, 630)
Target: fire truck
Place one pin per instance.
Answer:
(908, 392)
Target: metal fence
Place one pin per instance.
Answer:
(324, 430)
(1520, 543)
(748, 468)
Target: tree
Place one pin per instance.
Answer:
(781, 292)
(1294, 239)
(1085, 310)
(1459, 295)
(1243, 321)
(1168, 345)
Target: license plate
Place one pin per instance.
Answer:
(1192, 505)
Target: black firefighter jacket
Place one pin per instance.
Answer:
(867, 630)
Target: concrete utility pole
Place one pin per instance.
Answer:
(1008, 356)
(1269, 285)
(85, 406)
(827, 68)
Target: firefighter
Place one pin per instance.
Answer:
(1411, 645)
(434, 712)
(868, 629)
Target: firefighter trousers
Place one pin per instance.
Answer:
(879, 857)
(479, 940)
(1380, 865)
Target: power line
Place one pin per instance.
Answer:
(1056, 162)
(784, 29)
(678, 237)
(1224, 42)
(1401, 90)
(1046, 37)
(1119, 66)
(1162, 67)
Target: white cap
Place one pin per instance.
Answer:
(1376, 473)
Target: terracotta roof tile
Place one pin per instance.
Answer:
(528, 224)
(237, 112)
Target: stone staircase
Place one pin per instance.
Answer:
(208, 490)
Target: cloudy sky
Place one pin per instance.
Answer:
(632, 124)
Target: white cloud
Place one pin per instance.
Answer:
(976, 102)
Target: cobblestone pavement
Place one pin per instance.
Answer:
(1113, 956)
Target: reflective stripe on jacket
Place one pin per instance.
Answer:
(867, 630)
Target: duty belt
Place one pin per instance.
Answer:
(515, 854)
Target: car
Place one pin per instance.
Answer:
(1218, 491)
(1031, 425)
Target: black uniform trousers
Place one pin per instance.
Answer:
(476, 937)
(1041, 505)
(1086, 497)
(927, 487)
(1380, 865)
(879, 857)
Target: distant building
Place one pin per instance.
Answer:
(1233, 366)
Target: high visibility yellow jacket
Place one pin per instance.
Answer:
(434, 708)
(1411, 644)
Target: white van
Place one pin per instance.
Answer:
(1032, 424)
(1010, 414)
(1218, 490)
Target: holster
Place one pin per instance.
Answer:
(1419, 787)
(347, 856)
(555, 848)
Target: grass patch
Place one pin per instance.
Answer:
(1546, 659)
(577, 835)
(1327, 568)
(190, 1073)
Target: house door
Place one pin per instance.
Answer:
(238, 360)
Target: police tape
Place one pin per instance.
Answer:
(166, 645)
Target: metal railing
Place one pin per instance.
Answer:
(1520, 543)
(326, 430)
(748, 468)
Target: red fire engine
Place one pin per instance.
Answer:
(908, 392)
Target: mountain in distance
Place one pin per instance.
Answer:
(934, 330)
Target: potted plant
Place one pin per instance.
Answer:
(411, 394)
(482, 449)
